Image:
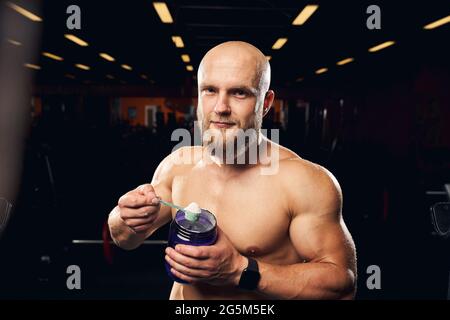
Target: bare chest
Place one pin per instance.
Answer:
(250, 211)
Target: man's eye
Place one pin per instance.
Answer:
(209, 90)
(240, 93)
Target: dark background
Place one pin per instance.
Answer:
(386, 137)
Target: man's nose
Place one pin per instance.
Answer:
(222, 105)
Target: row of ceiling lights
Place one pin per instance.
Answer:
(165, 16)
(310, 9)
(348, 60)
(384, 45)
(33, 17)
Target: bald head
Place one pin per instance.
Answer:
(240, 56)
(233, 87)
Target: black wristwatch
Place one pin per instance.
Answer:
(250, 276)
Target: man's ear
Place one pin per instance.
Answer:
(268, 100)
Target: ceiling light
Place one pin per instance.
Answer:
(24, 12)
(279, 43)
(77, 40)
(126, 67)
(185, 58)
(107, 57)
(32, 66)
(52, 56)
(82, 66)
(14, 42)
(305, 14)
(163, 12)
(344, 61)
(381, 46)
(321, 70)
(178, 41)
(437, 23)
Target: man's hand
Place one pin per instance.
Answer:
(219, 264)
(139, 208)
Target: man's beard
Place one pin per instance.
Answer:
(231, 145)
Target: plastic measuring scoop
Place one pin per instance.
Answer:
(191, 216)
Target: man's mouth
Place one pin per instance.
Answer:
(222, 124)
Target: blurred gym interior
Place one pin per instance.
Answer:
(87, 115)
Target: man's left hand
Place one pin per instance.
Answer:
(219, 264)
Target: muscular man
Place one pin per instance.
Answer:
(289, 221)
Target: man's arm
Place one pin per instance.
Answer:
(319, 235)
(136, 217)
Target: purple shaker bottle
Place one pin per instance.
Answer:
(200, 230)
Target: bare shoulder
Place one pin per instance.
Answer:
(309, 187)
(178, 162)
(187, 156)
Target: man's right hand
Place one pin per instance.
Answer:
(139, 208)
